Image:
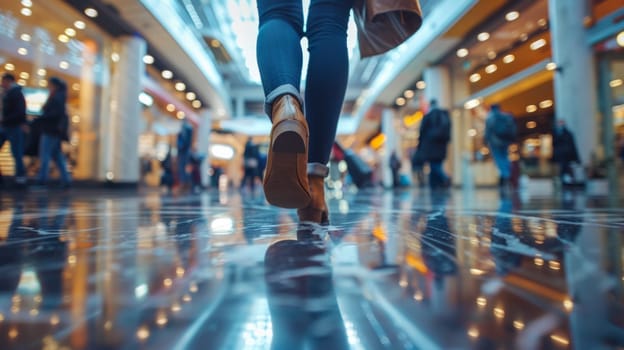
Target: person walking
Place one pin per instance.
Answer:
(500, 133)
(564, 152)
(251, 159)
(300, 144)
(13, 121)
(435, 134)
(184, 144)
(54, 129)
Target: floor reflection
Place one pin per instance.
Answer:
(396, 270)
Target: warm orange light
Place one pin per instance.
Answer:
(378, 141)
(412, 119)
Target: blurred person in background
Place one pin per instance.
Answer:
(300, 143)
(54, 124)
(564, 152)
(184, 143)
(251, 159)
(500, 133)
(13, 122)
(435, 134)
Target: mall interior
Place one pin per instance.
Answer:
(133, 256)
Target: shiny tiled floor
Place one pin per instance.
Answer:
(398, 270)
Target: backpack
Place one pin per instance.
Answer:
(440, 126)
(504, 127)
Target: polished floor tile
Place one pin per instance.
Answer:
(396, 270)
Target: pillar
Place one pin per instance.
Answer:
(202, 143)
(119, 147)
(240, 107)
(575, 87)
(388, 128)
(87, 126)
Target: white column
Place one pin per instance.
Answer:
(240, 107)
(438, 80)
(392, 138)
(120, 132)
(202, 143)
(575, 83)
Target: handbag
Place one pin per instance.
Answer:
(385, 24)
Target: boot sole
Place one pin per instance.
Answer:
(285, 182)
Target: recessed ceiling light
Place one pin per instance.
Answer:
(620, 39)
(80, 25)
(463, 52)
(22, 51)
(538, 44)
(542, 22)
(27, 3)
(24, 75)
(531, 108)
(421, 85)
(25, 37)
(616, 83)
(42, 72)
(115, 57)
(475, 77)
(491, 68)
(196, 104)
(70, 31)
(147, 59)
(9, 66)
(408, 93)
(551, 66)
(512, 16)
(509, 58)
(170, 107)
(167, 74)
(524, 37)
(26, 11)
(180, 86)
(91, 12)
(63, 38)
(483, 36)
(180, 115)
(472, 104)
(491, 55)
(21, 82)
(63, 65)
(400, 101)
(215, 43)
(191, 96)
(531, 125)
(546, 104)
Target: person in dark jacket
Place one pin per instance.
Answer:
(54, 123)
(435, 134)
(500, 133)
(13, 120)
(251, 158)
(185, 147)
(564, 150)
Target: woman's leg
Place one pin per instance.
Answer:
(61, 164)
(45, 153)
(327, 75)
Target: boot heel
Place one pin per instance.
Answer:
(288, 137)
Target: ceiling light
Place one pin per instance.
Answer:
(91, 12)
(80, 25)
(170, 107)
(191, 96)
(551, 66)
(463, 52)
(620, 39)
(472, 104)
(531, 108)
(63, 38)
(146, 99)
(408, 93)
(538, 44)
(524, 37)
(9, 67)
(483, 36)
(76, 87)
(475, 78)
(26, 3)
(25, 37)
(167, 74)
(491, 55)
(509, 58)
(400, 101)
(24, 75)
(616, 83)
(546, 104)
(21, 82)
(41, 72)
(215, 43)
(70, 31)
(512, 16)
(491, 69)
(531, 125)
(180, 115)
(26, 11)
(147, 59)
(180, 86)
(22, 51)
(115, 57)
(542, 22)
(196, 104)
(63, 65)
(43, 83)
(421, 85)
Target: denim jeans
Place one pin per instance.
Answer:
(501, 159)
(50, 148)
(183, 159)
(280, 62)
(16, 137)
(437, 177)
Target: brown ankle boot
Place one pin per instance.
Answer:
(316, 211)
(285, 180)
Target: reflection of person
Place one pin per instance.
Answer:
(395, 166)
(251, 159)
(13, 119)
(184, 143)
(280, 62)
(439, 243)
(435, 134)
(53, 131)
(302, 301)
(500, 133)
(564, 151)
(502, 234)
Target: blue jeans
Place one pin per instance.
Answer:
(280, 62)
(501, 160)
(183, 160)
(15, 136)
(437, 177)
(50, 148)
